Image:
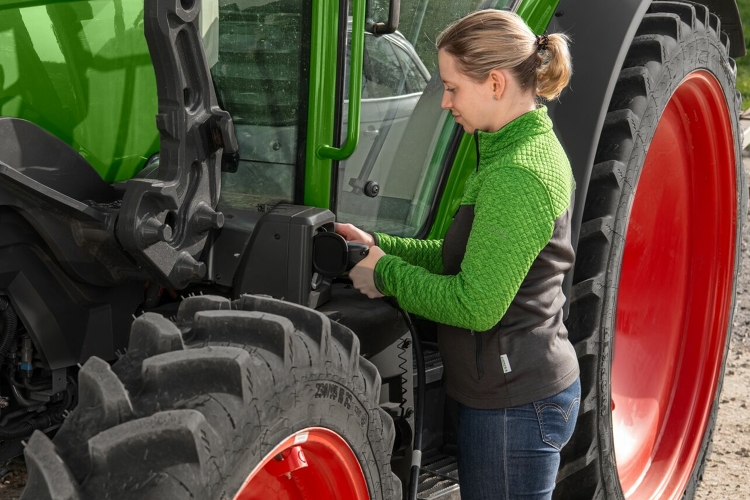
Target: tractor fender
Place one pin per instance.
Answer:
(601, 34)
(68, 321)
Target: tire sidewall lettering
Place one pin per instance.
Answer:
(343, 397)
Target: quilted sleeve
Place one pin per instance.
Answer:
(513, 222)
(427, 254)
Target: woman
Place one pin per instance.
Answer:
(494, 284)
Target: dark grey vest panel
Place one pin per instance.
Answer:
(525, 357)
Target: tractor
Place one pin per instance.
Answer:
(175, 316)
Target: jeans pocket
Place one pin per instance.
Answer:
(558, 414)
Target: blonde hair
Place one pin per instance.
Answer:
(488, 40)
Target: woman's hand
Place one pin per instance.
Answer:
(355, 234)
(363, 274)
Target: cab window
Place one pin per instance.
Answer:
(404, 135)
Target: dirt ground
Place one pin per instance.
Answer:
(727, 467)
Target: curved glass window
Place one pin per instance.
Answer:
(404, 134)
(259, 57)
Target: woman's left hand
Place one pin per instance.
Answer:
(363, 274)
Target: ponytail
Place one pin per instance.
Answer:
(487, 40)
(553, 73)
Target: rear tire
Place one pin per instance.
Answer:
(199, 406)
(679, 56)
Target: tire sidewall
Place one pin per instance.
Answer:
(675, 70)
(317, 401)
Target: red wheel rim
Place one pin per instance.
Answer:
(314, 463)
(675, 293)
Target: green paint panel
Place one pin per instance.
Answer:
(537, 13)
(355, 89)
(81, 70)
(322, 102)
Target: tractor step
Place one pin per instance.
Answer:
(433, 367)
(438, 478)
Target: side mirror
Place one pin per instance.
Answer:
(394, 12)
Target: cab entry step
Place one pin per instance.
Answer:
(433, 366)
(438, 478)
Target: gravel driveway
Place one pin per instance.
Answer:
(727, 469)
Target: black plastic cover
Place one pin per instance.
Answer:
(164, 222)
(278, 259)
(68, 321)
(41, 156)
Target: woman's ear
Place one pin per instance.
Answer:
(498, 83)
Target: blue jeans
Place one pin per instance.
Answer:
(514, 453)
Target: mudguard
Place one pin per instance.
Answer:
(601, 35)
(68, 320)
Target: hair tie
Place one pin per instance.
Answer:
(542, 41)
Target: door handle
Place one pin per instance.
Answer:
(326, 152)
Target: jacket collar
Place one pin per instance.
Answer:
(491, 144)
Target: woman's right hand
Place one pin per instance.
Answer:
(355, 234)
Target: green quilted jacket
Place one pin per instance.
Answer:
(522, 184)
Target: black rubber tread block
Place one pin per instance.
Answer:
(631, 91)
(619, 131)
(573, 464)
(588, 365)
(665, 24)
(103, 403)
(387, 427)
(348, 344)
(725, 41)
(316, 325)
(686, 11)
(172, 455)
(371, 378)
(582, 320)
(182, 375)
(714, 23)
(48, 476)
(153, 334)
(701, 13)
(387, 435)
(647, 51)
(593, 245)
(260, 330)
(608, 179)
(586, 487)
(196, 303)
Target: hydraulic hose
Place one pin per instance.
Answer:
(416, 456)
(10, 322)
(43, 421)
(24, 429)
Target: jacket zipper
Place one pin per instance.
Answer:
(480, 367)
(476, 142)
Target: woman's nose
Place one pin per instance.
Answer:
(445, 102)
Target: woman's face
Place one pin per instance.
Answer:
(469, 102)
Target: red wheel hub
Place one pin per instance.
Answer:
(314, 463)
(675, 293)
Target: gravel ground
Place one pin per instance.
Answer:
(727, 467)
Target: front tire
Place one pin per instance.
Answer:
(250, 399)
(657, 261)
